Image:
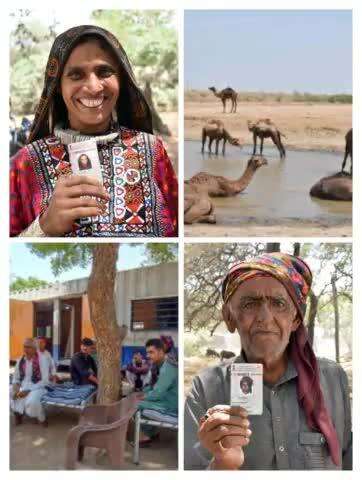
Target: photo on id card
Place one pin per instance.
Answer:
(83, 157)
(246, 387)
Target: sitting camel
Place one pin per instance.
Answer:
(218, 186)
(334, 187)
(226, 94)
(265, 128)
(348, 150)
(198, 206)
(214, 129)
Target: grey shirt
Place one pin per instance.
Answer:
(281, 438)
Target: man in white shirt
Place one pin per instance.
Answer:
(47, 365)
(28, 385)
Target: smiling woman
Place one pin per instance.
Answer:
(90, 98)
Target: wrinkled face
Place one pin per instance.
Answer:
(90, 87)
(264, 315)
(29, 351)
(155, 355)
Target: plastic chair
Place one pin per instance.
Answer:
(101, 426)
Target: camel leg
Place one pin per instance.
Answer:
(255, 139)
(223, 146)
(232, 106)
(261, 145)
(281, 146)
(344, 160)
(210, 143)
(207, 219)
(223, 104)
(217, 146)
(203, 140)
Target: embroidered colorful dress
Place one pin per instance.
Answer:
(136, 170)
(137, 174)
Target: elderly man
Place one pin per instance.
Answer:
(28, 386)
(306, 420)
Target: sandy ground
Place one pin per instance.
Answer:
(261, 228)
(33, 447)
(306, 126)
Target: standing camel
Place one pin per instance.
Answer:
(348, 150)
(226, 94)
(265, 128)
(214, 129)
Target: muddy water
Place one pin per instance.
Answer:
(279, 190)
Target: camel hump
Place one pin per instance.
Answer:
(228, 90)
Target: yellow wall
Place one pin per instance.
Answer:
(21, 326)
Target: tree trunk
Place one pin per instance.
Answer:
(336, 316)
(101, 288)
(296, 252)
(312, 315)
(272, 247)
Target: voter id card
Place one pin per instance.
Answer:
(246, 387)
(83, 157)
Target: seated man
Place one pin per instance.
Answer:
(83, 368)
(163, 395)
(137, 372)
(306, 418)
(28, 386)
(47, 365)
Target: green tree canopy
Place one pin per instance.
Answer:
(20, 284)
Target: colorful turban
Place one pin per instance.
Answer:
(296, 277)
(29, 342)
(291, 271)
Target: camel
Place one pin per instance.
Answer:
(348, 151)
(214, 129)
(218, 186)
(198, 206)
(334, 187)
(227, 93)
(265, 128)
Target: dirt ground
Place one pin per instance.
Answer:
(33, 447)
(306, 126)
(265, 228)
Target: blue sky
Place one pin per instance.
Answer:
(279, 50)
(24, 264)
